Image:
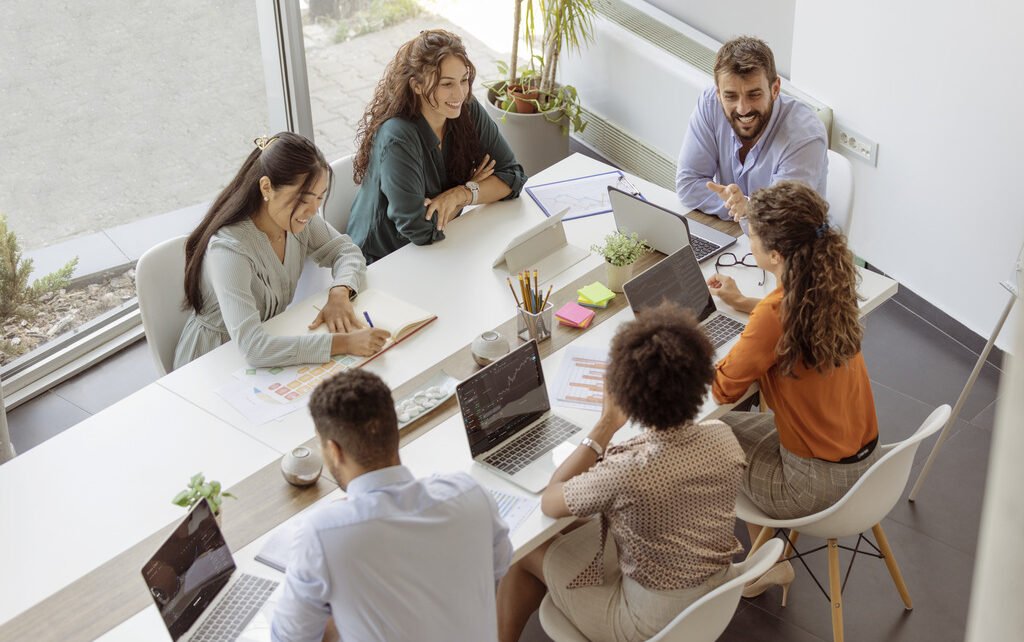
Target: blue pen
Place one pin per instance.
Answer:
(367, 316)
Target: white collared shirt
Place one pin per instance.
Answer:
(400, 559)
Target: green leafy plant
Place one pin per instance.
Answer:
(17, 297)
(380, 14)
(566, 24)
(622, 249)
(197, 489)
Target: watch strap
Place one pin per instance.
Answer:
(593, 445)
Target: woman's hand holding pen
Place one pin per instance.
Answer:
(362, 343)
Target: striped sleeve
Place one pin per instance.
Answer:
(330, 248)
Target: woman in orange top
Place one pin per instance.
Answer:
(802, 345)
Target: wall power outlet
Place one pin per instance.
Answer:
(854, 144)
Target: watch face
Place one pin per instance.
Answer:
(472, 185)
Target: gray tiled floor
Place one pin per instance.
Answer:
(914, 368)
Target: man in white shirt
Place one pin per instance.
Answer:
(400, 558)
(745, 135)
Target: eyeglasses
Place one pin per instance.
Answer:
(728, 259)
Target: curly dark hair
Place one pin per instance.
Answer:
(820, 318)
(661, 367)
(354, 408)
(420, 60)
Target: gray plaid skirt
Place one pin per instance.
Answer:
(782, 484)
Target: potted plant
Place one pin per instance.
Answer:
(197, 489)
(528, 104)
(620, 251)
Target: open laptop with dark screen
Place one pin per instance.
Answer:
(193, 582)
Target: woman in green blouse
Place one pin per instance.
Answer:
(426, 149)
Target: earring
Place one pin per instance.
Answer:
(266, 198)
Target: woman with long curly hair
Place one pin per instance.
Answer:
(802, 346)
(426, 149)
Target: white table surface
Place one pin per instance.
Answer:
(94, 491)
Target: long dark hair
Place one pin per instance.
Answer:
(820, 319)
(284, 158)
(420, 59)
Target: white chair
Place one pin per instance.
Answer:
(705, 619)
(160, 282)
(863, 507)
(839, 191)
(336, 211)
(343, 192)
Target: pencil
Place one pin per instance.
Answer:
(546, 297)
(522, 287)
(509, 279)
(536, 291)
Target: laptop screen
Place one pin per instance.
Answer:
(676, 278)
(188, 571)
(503, 398)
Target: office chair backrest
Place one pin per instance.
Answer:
(839, 191)
(160, 282)
(343, 192)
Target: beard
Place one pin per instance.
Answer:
(759, 123)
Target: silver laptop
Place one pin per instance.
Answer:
(663, 229)
(677, 278)
(193, 582)
(509, 423)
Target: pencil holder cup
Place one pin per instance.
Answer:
(534, 325)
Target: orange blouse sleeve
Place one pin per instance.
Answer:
(753, 354)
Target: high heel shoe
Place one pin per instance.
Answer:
(781, 574)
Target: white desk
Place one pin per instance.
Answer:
(81, 498)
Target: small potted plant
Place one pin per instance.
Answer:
(621, 251)
(198, 488)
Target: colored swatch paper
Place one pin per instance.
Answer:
(595, 295)
(574, 315)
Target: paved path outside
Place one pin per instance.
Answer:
(122, 110)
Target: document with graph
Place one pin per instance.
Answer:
(582, 197)
(580, 382)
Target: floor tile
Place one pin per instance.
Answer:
(35, 421)
(937, 576)
(986, 419)
(111, 381)
(913, 357)
(948, 507)
(899, 415)
(752, 624)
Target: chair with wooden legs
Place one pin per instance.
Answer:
(863, 508)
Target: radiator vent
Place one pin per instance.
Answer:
(643, 25)
(626, 152)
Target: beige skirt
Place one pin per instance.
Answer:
(784, 485)
(619, 610)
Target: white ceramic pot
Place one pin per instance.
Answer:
(489, 347)
(618, 275)
(536, 142)
(302, 466)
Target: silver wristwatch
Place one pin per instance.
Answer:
(593, 445)
(474, 189)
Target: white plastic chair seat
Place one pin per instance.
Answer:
(160, 284)
(705, 619)
(839, 191)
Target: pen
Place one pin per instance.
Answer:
(366, 315)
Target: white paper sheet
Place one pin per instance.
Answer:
(514, 509)
(580, 382)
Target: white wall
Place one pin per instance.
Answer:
(771, 20)
(939, 86)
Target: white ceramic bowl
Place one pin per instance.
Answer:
(489, 347)
(302, 466)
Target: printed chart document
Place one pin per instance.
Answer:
(580, 382)
(514, 509)
(267, 394)
(584, 196)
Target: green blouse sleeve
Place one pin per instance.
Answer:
(506, 167)
(401, 181)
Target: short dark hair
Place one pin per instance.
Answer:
(354, 408)
(661, 367)
(745, 55)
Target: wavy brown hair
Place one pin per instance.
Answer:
(420, 60)
(289, 159)
(820, 319)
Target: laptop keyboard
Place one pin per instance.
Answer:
(702, 248)
(721, 329)
(520, 453)
(233, 613)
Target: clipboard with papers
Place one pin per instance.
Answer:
(582, 196)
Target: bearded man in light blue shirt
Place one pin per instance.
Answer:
(745, 135)
(400, 559)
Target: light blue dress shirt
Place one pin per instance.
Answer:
(401, 559)
(792, 147)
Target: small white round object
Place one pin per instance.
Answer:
(403, 417)
(489, 347)
(302, 466)
(434, 392)
(416, 410)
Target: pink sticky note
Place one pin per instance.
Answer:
(574, 314)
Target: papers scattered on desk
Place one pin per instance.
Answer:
(266, 394)
(514, 509)
(583, 196)
(581, 378)
(277, 549)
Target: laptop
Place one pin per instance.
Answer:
(508, 420)
(193, 582)
(663, 229)
(677, 278)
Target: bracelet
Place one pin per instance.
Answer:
(593, 445)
